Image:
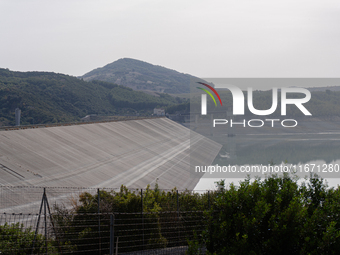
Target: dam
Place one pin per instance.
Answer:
(133, 153)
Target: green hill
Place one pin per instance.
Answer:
(140, 75)
(45, 97)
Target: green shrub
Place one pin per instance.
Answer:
(15, 240)
(275, 216)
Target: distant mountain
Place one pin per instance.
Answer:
(140, 75)
(46, 97)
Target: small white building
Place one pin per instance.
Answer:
(159, 112)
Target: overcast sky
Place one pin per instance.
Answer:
(262, 38)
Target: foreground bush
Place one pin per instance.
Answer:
(155, 230)
(275, 216)
(15, 240)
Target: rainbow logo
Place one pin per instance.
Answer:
(204, 97)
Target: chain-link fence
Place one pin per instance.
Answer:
(100, 221)
(117, 233)
(27, 199)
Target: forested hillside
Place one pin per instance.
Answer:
(140, 75)
(46, 97)
(50, 97)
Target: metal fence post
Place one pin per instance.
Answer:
(112, 234)
(179, 233)
(51, 219)
(37, 228)
(210, 227)
(177, 205)
(45, 218)
(44, 202)
(100, 248)
(141, 195)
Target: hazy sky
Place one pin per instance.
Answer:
(239, 38)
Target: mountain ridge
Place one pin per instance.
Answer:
(141, 75)
(47, 97)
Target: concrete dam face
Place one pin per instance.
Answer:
(133, 153)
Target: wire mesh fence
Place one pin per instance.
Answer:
(27, 199)
(100, 221)
(157, 233)
(118, 233)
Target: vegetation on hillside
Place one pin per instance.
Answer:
(140, 75)
(50, 98)
(45, 97)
